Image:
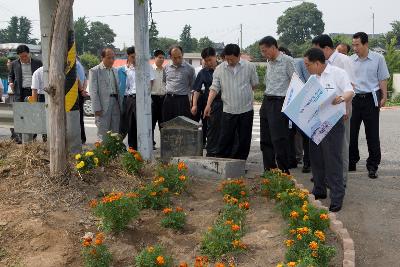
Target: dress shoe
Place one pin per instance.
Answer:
(335, 208)
(352, 167)
(306, 169)
(319, 197)
(372, 174)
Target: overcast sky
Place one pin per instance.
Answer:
(220, 25)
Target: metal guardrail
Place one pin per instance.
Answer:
(6, 115)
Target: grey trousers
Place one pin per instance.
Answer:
(345, 151)
(109, 120)
(327, 165)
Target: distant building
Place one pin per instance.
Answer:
(9, 49)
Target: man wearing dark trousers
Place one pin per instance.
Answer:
(82, 85)
(273, 123)
(179, 78)
(157, 89)
(204, 79)
(20, 76)
(235, 79)
(371, 74)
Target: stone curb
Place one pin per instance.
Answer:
(336, 226)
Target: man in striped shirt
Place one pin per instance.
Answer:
(235, 79)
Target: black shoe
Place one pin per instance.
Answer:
(372, 174)
(335, 208)
(306, 169)
(320, 197)
(352, 167)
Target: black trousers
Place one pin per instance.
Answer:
(214, 128)
(306, 149)
(327, 164)
(175, 106)
(364, 110)
(274, 130)
(232, 124)
(292, 147)
(128, 124)
(201, 105)
(81, 116)
(156, 111)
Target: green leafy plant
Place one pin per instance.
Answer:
(234, 188)
(275, 182)
(113, 144)
(153, 257)
(132, 161)
(174, 219)
(86, 162)
(116, 210)
(94, 252)
(154, 196)
(175, 176)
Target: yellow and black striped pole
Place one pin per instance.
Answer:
(71, 81)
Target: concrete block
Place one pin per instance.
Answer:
(214, 168)
(344, 234)
(349, 255)
(347, 263)
(336, 225)
(348, 244)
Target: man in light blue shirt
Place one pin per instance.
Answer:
(371, 74)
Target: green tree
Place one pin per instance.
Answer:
(89, 60)
(341, 39)
(3, 67)
(395, 32)
(204, 42)
(300, 23)
(19, 30)
(100, 35)
(153, 37)
(165, 43)
(254, 51)
(81, 27)
(186, 41)
(392, 58)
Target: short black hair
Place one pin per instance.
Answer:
(268, 41)
(346, 45)
(104, 51)
(314, 55)
(231, 49)
(130, 50)
(323, 41)
(362, 36)
(285, 51)
(158, 52)
(208, 52)
(22, 49)
(175, 47)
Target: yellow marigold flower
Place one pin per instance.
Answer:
(299, 237)
(313, 245)
(89, 154)
(150, 249)
(96, 161)
(78, 156)
(292, 231)
(229, 222)
(289, 242)
(153, 194)
(320, 235)
(80, 165)
(294, 215)
(160, 260)
(279, 265)
(165, 190)
(324, 216)
(305, 218)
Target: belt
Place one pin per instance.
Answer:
(363, 95)
(273, 97)
(175, 95)
(132, 95)
(113, 95)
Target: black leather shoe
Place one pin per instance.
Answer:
(306, 169)
(352, 167)
(335, 208)
(372, 174)
(320, 197)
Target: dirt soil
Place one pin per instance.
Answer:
(42, 221)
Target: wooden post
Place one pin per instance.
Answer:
(56, 90)
(143, 97)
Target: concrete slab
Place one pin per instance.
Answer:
(213, 168)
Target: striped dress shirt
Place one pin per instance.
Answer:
(236, 86)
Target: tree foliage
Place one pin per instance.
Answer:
(392, 58)
(395, 32)
(254, 51)
(165, 43)
(89, 60)
(19, 30)
(205, 42)
(153, 37)
(300, 23)
(186, 41)
(81, 27)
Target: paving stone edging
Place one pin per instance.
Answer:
(336, 226)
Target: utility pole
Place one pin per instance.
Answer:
(373, 25)
(143, 98)
(241, 36)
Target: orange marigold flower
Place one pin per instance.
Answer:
(314, 254)
(235, 227)
(87, 243)
(98, 242)
(243, 193)
(183, 264)
(219, 264)
(97, 144)
(229, 222)
(165, 190)
(320, 235)
(299, 237)
(160, 260)
(292, 231)
(291, 264)
(179, 209)
(289, 242)
(167, 210)
(100, 236)
(245, 205)
(265, 181)
(132, 195)
(324, 216)
(236, 243)
(294, 215)
(153, 194)
(138, 157)
(313, 245)
(182, 178)
(93, 203)
(182, 166)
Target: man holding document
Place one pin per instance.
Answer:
(326, 152)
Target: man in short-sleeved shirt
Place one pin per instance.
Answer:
(274, 125)
(371, 74)
(235, 79)
(326, 157)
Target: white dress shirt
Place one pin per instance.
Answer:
(37, 81)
